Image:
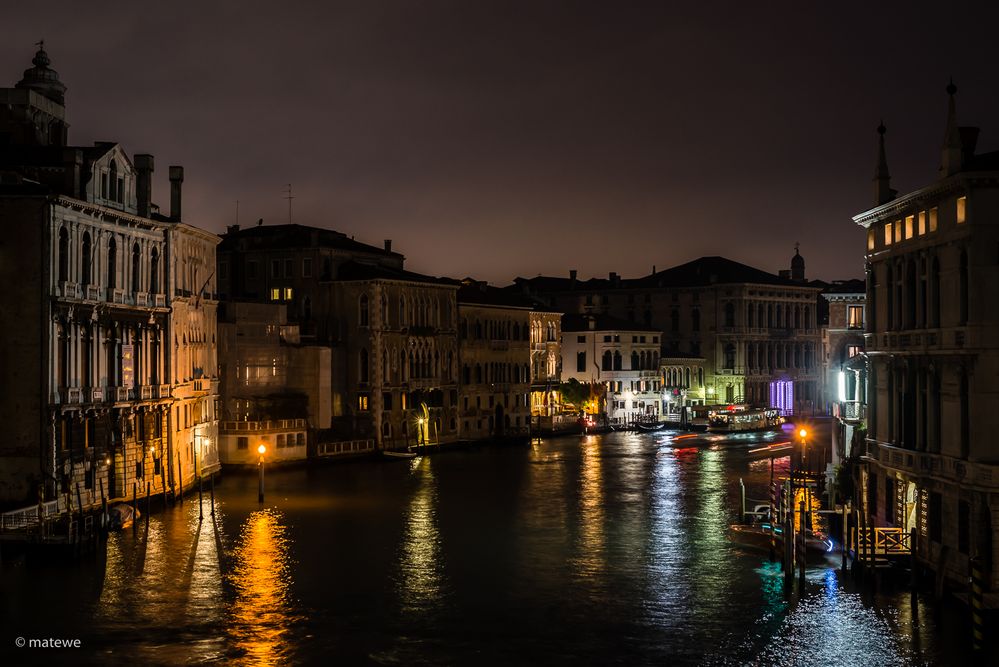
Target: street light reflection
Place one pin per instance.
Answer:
(261, 576)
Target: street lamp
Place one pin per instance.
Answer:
(260, 466)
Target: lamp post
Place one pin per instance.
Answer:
(260, 467)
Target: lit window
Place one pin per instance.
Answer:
(852, 350)
(888, 233)
(288, 292)
(275, 294)
(870, 239)
(922, 222)
(933, 219)
(855, 317)
(909, 224)
(362, 402)
(962, 209)
(898, 231)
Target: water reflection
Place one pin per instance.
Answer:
(590, 561)
(261, 614)
(421, 570)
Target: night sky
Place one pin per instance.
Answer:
(498, 139)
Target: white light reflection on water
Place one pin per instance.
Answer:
(421, 570)
(667, 587)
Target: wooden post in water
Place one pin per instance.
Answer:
(803, 535)
(180, 480)
(213, 495)
(742, 494)
(135, 509)
(846, 532)
(201, 503)
(977, 603)
(148, 485)
(104, 507)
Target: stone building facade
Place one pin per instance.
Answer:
(494, 333)
(757, 332)
(92, 356)
(932, 342)
(844, 363)
(546, 362)
(622, 356)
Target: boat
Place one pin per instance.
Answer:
(650, 428)
(757, 536)
(743, 418)
(122, 516)
(398, 455)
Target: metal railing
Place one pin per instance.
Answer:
(882, 541)
(272, 425)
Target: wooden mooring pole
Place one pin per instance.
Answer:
(135, 509)
(977, 604)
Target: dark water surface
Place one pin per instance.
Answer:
(607, 550)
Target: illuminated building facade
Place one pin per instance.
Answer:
(95, 361)
(757, 332)
(932, 340)
(620, 355)
(494, 334)
(682, 381)
(844, 364)
(546, 363)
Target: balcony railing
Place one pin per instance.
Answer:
(68, 290)
(852, 410)
(164, 391)
(141, 299)
(96, 395)
(93, 293)
(272, 425)
(159, 300)
(969, 473)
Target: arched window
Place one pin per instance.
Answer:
(135, 268)
(934, 293)
(923, 314)
(154, 272)
(910, 294)
(686, 377)
(363, 311)
(634, 361)
(63, 255)
(965, 414)
(695, 320)
(770, 316)
(729, 315)
(797, 317)
(750, 310)
(88, 253)
(307, 308)
(363, 366)
(890, 283)
(606, 361)
(112, 263)
(617, 361)
(402, 311)
(807, 323)
(113, 181)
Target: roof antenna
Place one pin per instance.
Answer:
(237, 213)
(289, 197)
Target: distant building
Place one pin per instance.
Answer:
(758, 333)
(494, 334)
(275, 390)
(546, 363)
(620, 355)
(113, 356)
(682, 380)
(932, 343)
(392, 332)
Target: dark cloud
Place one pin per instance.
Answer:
(505, 138)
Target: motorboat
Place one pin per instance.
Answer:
(743, 418)
(398, 455)
(757, 536)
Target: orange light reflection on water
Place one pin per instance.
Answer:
(261, 577)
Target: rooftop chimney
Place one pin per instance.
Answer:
(572, 275)
(176, 180)
(144, 183)
(231, 229)
(388, 245)
(72, 158)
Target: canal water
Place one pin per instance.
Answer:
(593, 550)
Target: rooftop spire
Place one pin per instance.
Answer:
(882, 179)
(951, 152)
(43, 79)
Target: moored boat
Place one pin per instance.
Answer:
(758, 537)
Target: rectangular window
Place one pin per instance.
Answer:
(288, 293)
(387, 400)
(307, 267)
(289, 268)
(362, 402)
(962, 209)
(887, 233)
(870, 239)
(223, 270)
(909, 226)
(655, 339)
(922, 222)
(607, 339)
(251, 269)
(580, 339)
(275, 268)
(121, 191)
(242, 442)
(852, 351)
(898, 231)
(580, 362)
(855, 317)
(933, 219)
(275, 294)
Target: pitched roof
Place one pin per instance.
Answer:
(297, 236)
(581, 322)
(710, 271)
(480, 293)
(360, 271)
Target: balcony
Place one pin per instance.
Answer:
(117, 295)
(260, 426)
(147, 392)
(68, 290)
(141, 299)
(96, 395)
(936, 466)
(850, 410)
(92, 293)
(202, 385)
(164, 391)
(159, 300)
